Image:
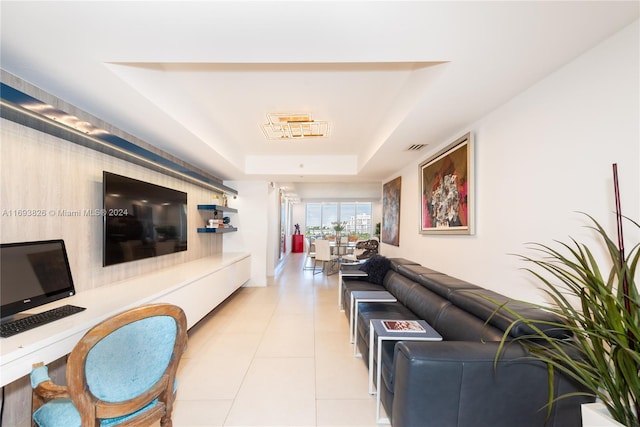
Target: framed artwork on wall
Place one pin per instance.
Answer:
(390, 232)
(447, 189)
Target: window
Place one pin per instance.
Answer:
(329, 215)
(355, 215)
(362, 223)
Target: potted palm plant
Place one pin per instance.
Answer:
(338, 227)
(601, 307)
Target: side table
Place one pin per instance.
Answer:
(363, 296)
(378, 330)
(350, 269)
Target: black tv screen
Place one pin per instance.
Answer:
(33, 274)
(141, 220)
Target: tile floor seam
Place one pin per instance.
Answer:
(330, 385)
(246, 372)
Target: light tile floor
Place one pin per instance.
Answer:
(275, 356)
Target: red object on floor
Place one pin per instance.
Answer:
(297, 243)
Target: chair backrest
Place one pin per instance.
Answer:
(358, 249)
(323, 250)
(126, 363)
(310, 245)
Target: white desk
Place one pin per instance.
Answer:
(377, 330)
(197, 286)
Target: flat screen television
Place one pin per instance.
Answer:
(33, 274)
(141, 220)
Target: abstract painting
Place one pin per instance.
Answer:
(446, 190)
(390, 232)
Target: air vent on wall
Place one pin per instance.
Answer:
(416, 147)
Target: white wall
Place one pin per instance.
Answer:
(258, 223)
(540, 158)
(253, 222)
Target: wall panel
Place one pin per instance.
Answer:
(56, 178)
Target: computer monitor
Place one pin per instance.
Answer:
(33, 274)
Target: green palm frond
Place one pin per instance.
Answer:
(605, 321)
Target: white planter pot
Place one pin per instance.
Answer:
(596, 415)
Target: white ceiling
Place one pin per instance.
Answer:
(197, 78)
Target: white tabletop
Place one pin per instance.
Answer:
(51, 341)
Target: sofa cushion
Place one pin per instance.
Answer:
(413, 271)
(483, 303)
(382, 310)
(376, 267)
(424, 303)
(360, 285)
(349, 286)
(443, 284)
(455, 324)
(396, 262)
(388, 350)
(398, 285)
(378, 310)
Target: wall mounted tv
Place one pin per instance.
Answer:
(141, 220)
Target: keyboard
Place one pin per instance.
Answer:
(16, 326)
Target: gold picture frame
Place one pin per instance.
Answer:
(447, 189)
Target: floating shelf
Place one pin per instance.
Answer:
(217, 230)
(217, 208)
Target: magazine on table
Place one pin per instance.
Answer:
(402, 326)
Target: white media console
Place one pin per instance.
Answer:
(197, 286)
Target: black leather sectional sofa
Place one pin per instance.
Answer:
(454, 382)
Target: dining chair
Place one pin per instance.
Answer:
(310, 254)
(323, 254)
(122, 372)
(352, 256)
(352, 240)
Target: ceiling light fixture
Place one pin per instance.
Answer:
(294, 126)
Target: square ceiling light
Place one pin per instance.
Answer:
(294, 126)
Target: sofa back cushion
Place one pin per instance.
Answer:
(443, 284)
(414, 271)
(425, 304)
(471, 311)
(397, 262)
(455, 324)
(398, 285)
(484, 303)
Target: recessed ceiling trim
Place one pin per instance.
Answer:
(297, 165)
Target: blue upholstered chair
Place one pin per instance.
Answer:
(121, 373)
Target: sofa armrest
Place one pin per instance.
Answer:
(456, 383)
